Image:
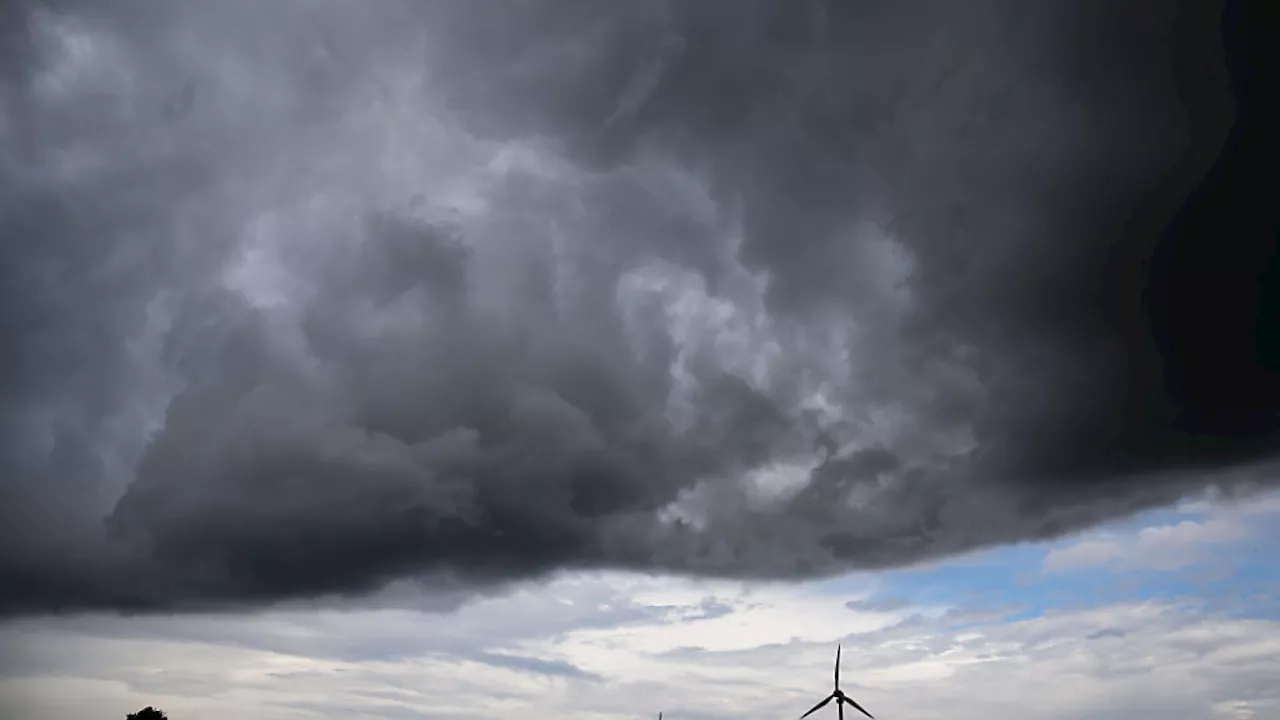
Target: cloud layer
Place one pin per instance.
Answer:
(303, 298)
(916, 645)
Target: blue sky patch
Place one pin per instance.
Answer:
(1237, 577)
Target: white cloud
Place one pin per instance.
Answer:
(1163, 547)
(1171, 546)
(614, 645)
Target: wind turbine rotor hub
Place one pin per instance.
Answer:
(838, 695)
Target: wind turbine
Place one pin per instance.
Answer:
(839, 696)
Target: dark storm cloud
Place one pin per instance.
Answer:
(300, 298)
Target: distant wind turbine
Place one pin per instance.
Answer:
(837, 695)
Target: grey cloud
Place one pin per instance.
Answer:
(300, 300)
(877, 605)
(710, 609)
(557, 668)
(396, 711)
(495, 631)
(684, 653)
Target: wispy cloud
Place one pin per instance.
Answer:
(1193, 535)
(1166, 547)
(877, 605)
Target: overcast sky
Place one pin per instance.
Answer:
(639, 328)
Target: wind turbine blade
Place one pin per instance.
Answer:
(817, 707)
(837, 666)
(860, 708)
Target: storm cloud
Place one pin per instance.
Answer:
(302, 297)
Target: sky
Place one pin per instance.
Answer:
(1174, 613)
(654, 333)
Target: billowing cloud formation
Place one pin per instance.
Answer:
(302, 297)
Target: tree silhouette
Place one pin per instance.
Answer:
(148, 713)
